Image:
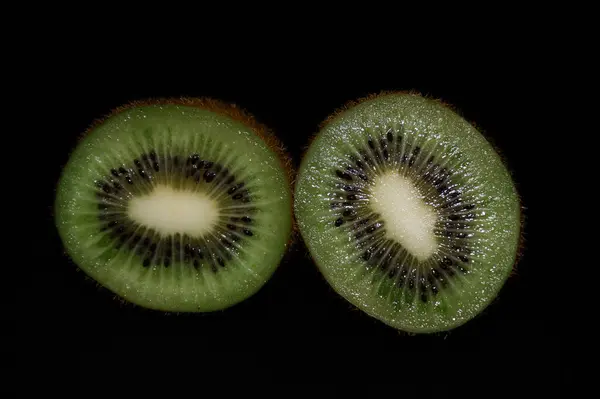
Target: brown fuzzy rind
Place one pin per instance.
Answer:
(232, 111)
(352, 103)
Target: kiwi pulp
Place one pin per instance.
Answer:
(408, 212)
(176, 204)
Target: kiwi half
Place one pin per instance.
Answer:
(408, 211)
(177, 204)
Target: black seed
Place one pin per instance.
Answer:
(175, 160)
(142, 173)
(147, 262)
(153, 155)
(339, 222)
(194, 158)
(446, 262)
(468, 207)
(451, 203)
(113, 223)
(343, 175)
(137, 163)
(167, 261)
(153, 247)
(366, 158)
(423, 297)
(367, 255)
(198, 253)
(371, 144)
(231, 227)
(209, 176)
(248, 232)
(238, 196)
(146, 242)
(386, 154)
(390, 136)
(122, 170)
(246, 219)
(349, 188)
(129, 180)
(220, 261)
(463, 258)
(373, 227)
(196, 263)
(114, 172)
(351, 197)
(335, 205)
(431, 282)
(230, 180)
(135, 240)
(208, 164)
(117, 186)
(463, 250)
(401, 277)
(416, 151)
(155, 166)
(349, 212)
(235, 188)
(120, 229)
(462, 269)
(102, 207)
(106, 188)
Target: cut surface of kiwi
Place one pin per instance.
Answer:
(176, 204)
(408, 211)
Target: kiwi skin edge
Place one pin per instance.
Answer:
(522, 216)
(230, 110)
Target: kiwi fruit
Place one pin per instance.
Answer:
(179, 205)
(408, 211)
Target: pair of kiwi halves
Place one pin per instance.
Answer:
(186, 205)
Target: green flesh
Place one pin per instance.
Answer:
(175, 130)
(478, 172)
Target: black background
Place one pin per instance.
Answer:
(296, 328)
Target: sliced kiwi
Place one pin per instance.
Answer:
(408, 212)
(179, 205)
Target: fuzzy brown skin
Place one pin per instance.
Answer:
(352, 103)
(227, 109)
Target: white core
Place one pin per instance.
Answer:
(407, 218)
(172, 211)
